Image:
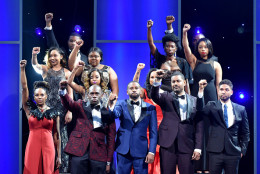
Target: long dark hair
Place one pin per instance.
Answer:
(148, 86)
(209, 46)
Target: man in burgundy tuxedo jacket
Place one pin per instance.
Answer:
(92, 142)
(180, 132)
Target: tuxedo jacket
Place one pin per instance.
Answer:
(233, 140)
(189, 132)
(132, 136)
(52, 42)
(100, 142)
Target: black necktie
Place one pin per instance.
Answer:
(181, 96)
(135, 103)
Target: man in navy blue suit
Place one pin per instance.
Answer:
(132, 145)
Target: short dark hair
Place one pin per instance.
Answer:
(170, 37)
(132, 82)
(75, 34)
(226, 82)
(209, 46)
(178, 73)
(41, 84)
(98, 50)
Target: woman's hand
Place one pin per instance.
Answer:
(23, 64)
(149, 23)
(140, 66)
(58, 162)
(186, 27)
(36, 50)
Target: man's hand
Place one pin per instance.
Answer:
(112, 101)
(170, 19)
(68, 117)
(36, 50)
(23, 64)
(202, 84)
(149, 158)
(63, 84)
(140, 66)
(195, 156)
(79, 43)
(160, 74)
(80, 64)
(48, 19)
(149, 23)
(107, 168)
(186, 27)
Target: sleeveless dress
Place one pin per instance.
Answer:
(53, 100)
(204, 70)
(39, 155)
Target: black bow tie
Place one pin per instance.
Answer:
(181, 96)
(135, 103)
(97, 107)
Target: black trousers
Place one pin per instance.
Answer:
(84, 165)
(220, 161)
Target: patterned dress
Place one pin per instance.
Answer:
(53, 100)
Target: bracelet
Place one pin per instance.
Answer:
(108, 163)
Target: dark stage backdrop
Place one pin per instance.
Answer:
(120, 31)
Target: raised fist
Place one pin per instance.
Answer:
(140, 66)
(36, 50)
(186, 27)
(149, 23)
(48, 17)
(80, 64)
(170, 19)
(63, 84)
(202, 84)
(23, 63)
(79, 43)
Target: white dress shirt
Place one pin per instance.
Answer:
(230, 113)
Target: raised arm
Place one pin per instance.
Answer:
(50, 37)
(25, 91)
(39, 68)
(78, 88)
(218, 71)
(150, 37)
(139, 68)
(155, 95)
(113, 80)
(73, 60)
(191, 59)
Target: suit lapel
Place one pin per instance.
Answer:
(189, 107)
(130, 110)
(235, 112)
(220, 112)
(88, 112)
(175, 102)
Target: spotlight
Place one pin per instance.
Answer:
(241, 95)
(38, 31)
(198, 30)
(77, 28)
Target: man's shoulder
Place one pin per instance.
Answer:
(238, 106)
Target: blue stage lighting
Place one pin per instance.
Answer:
(38, 31)
(77, 28)
(198, 30)
(241, 95)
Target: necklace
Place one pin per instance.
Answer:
(43, 109)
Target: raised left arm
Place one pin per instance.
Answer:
(113, 81)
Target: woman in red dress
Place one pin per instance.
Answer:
(153, 168)
(40, 151)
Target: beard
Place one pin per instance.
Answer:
(224, 98)
(134, 96)
(177, 90)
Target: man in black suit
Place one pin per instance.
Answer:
(229, 131)
(181, 130)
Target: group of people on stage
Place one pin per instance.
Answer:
(182, 121)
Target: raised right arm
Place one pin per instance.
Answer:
(150, 37)
(73, 61)
(78, 88)
(41, 69)
(50, 37)
(191, 59)
(25, 91)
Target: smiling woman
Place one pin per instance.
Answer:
(53, 72)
